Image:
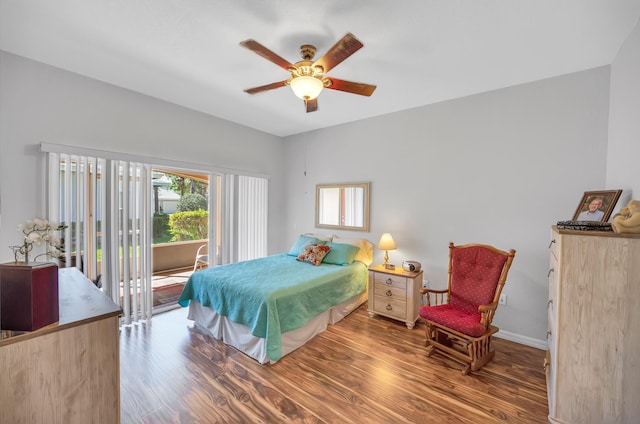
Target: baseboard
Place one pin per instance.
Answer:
(517, 338)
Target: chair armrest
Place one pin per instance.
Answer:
(439, 297)
(487, 312)
(424, 290)
(490, 307)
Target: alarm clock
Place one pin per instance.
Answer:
(411, 266)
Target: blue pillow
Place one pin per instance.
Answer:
(340, 254)
(301, 243)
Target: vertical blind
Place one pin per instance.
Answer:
(245, 218)
(252, 217)
(105, 205)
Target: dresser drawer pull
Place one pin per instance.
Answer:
(548, 333)
(389, 308)
(551, 244)
(550, 271)
(389, 281)
(549, 303)
(388, 293)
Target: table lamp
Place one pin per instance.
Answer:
(386, 243)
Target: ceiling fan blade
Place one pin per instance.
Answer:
(258, 48)
(267, 87)
(311, 105)
(344, 48)
(350, 87)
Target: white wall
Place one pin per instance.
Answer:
(497, 168)
(39, 103)
(623, 154)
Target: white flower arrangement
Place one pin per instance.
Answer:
(36, 232)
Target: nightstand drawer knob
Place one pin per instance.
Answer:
(389, 308)
(389, 281)
(388, 293)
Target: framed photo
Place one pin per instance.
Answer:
(597, 205)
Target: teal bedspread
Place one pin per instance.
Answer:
(275, 294)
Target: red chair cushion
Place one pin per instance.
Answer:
(474, 277)
(456, 319)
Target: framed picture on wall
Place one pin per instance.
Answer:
(597, 205)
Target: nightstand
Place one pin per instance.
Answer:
(395, 293)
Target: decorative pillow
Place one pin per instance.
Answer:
(322, 237)
(301, 243)
(340, 254)
(314, 253)
(365, 254)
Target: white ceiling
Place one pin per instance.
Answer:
(417, 52)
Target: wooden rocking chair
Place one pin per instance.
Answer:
(459, 319)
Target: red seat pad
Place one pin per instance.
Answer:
(456, 319)
(475, 274)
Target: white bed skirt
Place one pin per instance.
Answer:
(240, 337)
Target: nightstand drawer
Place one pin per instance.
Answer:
(387, 280)
(390, 292)
(391, 307)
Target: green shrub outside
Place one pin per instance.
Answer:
(190, 225)
(160, 224)
(192, 202)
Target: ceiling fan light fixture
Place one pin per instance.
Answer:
(306, 87)
(308, 76)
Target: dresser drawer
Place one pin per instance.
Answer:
(553, 280)
(551, 330)
(396, 308)
(554, 245)
(550, 376)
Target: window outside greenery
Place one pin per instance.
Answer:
(190, 220)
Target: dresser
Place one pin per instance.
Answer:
(67, 372)
(593, 357)
(395, 294)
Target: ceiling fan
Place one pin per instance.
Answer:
(307, 77)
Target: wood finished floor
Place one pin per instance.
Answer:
(361, 370)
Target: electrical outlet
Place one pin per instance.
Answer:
(503, 299)
(425, 283)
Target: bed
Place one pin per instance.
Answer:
(270, 306)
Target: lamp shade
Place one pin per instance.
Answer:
(386, 242)
(306, 87)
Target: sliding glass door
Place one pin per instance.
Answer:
(108, 206)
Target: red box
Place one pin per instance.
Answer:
(28, 295)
